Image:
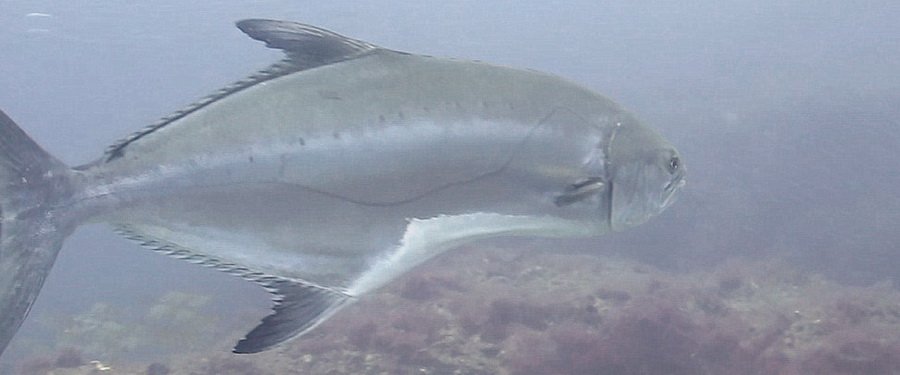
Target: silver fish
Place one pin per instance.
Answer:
(336, 170)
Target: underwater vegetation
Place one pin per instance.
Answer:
(176, 322)
(501, 311)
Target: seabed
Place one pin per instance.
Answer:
(496, 310)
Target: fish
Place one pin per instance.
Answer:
(332, 172)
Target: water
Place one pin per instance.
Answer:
(784, 239)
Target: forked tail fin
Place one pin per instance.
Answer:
(32, 183)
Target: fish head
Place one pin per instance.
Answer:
(645, 173)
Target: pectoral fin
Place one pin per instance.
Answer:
(580, 190)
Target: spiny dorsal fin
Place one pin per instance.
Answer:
(306, 47)
(299, 306)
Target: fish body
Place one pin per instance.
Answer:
(332, 172)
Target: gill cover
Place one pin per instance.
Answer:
(646, 173)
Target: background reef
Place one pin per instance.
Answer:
(501, 309)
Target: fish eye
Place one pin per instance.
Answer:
(674, 164)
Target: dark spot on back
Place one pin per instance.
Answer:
(328, 94)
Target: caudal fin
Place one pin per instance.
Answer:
(31, 232)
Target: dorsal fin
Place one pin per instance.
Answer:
(306, 47)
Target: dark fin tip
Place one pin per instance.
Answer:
(300, 309)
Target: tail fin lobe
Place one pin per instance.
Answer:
(31, 183)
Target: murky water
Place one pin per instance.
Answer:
(780, 254)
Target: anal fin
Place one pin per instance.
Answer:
(298, 309)
(300, 306)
